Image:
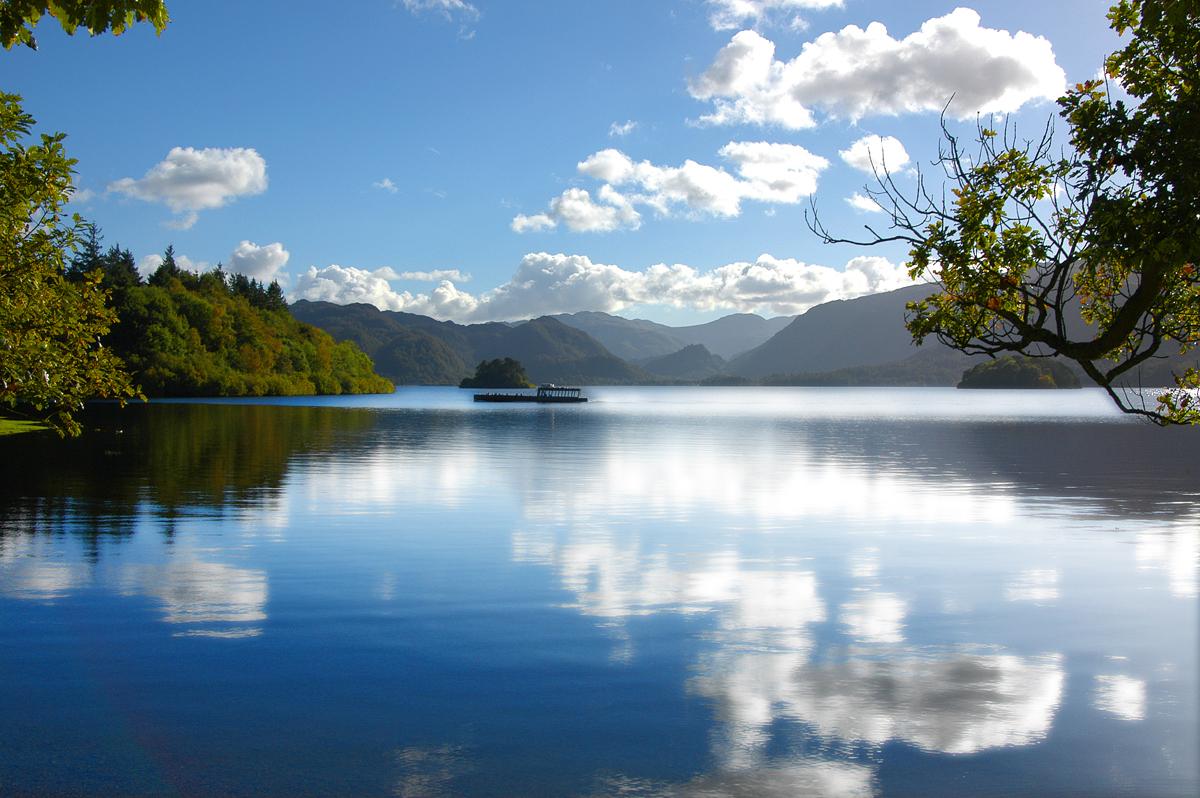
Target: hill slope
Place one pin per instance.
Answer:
(835, 335)
(693, 362)
(732, 335)
(631, 339)
(204, 335)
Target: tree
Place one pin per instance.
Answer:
(498, 373)
(87, 253)
(119, 269)
(1011, 371)
(1089, 254)
(51, 356)
(19, 17)
(167, 270)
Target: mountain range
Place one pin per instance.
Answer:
(637, 339)
(416, 349)
(859, 341)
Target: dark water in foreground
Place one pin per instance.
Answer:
(665, 592)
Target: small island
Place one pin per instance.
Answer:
(498, 373)
(1019, 372)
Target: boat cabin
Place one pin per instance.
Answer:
(551, 392)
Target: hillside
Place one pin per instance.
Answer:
(413, 349)
(213, 334)
(732, 335)
(931, 366)
(693, 362)
(405, 353)
(631, 339)
(848, 342)
(835, 335)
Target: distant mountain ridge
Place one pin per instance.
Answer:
(416, 349)
(693, 362)
(638, 339)
(845, 333)
(860, 341)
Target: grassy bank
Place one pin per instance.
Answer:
(11, 426)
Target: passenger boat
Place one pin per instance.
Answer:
(546, 394)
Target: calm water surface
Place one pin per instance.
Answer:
(664, 592)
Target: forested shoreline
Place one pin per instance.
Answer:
(181, 333)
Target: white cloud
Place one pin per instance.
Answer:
(622, 128)
(783, 173)
(434, 276)
(345, 285)
(876, 154)
(450, 9)
(576, 209)
(861, 202)
(386, 185)
(730, 14)
(557, 283)
(766, 172)
(148, 264)
(532, 224)
(189, 180)
(184, 222)
(855, 73)
(260, 263)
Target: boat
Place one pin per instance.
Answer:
(546, 394)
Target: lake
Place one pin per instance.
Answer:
(663, 592)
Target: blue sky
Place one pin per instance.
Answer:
(433, 155)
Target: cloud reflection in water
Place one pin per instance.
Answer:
(956, 702)
(1122, 696)
(206, 599)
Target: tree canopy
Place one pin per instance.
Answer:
(498, 373)
(1012, 371)
(19, 17)
(217, 334)
(1089, 254)
(51, 354)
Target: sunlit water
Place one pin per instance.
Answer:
(664, 592)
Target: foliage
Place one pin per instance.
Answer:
(174, 458)
(498, 373)
(213, 334)
(19, 17)
(1090, 255)
(1011, 371)
(51, 355)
